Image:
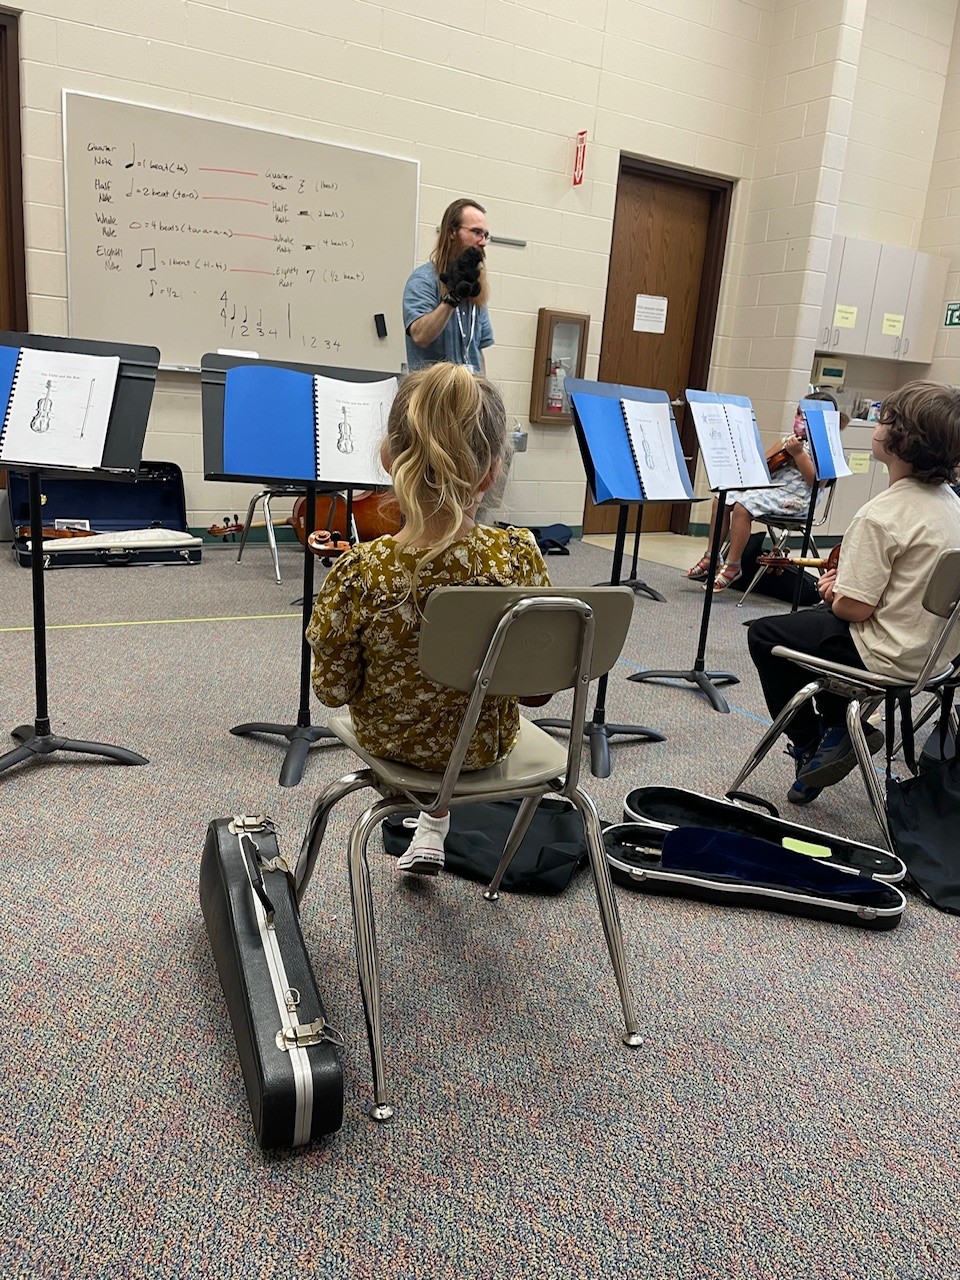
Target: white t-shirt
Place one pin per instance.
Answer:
(889, 552)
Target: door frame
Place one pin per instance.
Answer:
(720, 191)
(12, 188)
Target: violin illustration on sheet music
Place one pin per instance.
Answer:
(40, 422)
(345, 434)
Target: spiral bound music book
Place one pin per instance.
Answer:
(729, 441)
(302, 426)
(629, 443)
(823, 430)
(57, 407)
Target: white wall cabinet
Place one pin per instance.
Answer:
(848, 295)
(882, 300)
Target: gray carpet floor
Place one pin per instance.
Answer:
(792, 1112)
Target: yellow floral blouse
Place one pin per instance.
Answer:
(365, 631)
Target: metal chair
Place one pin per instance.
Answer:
(264, 496)
(867, 691)
(780, 528)
(284, 491)
(487, 641)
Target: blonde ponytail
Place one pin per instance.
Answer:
(446, 432)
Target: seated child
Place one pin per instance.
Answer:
(871, 614)
(444, 446)
(794, 479)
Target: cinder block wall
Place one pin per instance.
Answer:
(826, 113)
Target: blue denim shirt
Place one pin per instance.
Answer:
(466, 333)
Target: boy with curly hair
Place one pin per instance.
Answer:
(871, 615)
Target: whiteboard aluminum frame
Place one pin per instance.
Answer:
(66, 93)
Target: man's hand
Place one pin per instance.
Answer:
(463, 278)
(827, 586)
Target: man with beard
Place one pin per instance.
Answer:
(444, 300)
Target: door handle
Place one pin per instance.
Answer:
(906, 348)
(836, 340)
(896, 346)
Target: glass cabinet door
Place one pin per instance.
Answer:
(560, 354)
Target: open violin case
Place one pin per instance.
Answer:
(679, 842)
(137, 522)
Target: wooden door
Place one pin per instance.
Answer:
(668, 234)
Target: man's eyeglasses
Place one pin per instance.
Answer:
(480, 232)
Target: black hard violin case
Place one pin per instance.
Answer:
(289, 1054)
(680, 842)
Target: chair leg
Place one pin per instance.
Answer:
(245, 531)
(521, 823)
(271, 533)
(773, 733)
(869, 774)
(317, 824)
(609, 915)
(365, 942)
(752, 583)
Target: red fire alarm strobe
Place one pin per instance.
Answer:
(580, 158)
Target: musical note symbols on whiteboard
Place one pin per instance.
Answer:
(130, 163)
(148, 259)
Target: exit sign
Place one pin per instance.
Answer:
(952, 318)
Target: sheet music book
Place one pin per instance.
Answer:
(58, 407)
(823, 432)
(299, 426)
(729, 441)
(631, 448)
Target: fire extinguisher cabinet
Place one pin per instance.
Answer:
(560, 353)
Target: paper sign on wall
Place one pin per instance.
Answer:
(845, 317)
(892, 325)
(859, 462)
(649, 314)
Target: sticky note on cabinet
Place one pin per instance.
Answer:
(806, 846)
(845, 317)
(892, 325)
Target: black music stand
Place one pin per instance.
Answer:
(596, 730)
(123, 447)
(302, 735)
(705, 681)
(637, 585)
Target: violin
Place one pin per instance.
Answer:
(24, 531)
(40, 422)
(374, 512)
(779, 560)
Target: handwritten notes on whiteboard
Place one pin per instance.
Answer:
(192, 235)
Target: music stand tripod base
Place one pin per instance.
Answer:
(706, 682)
(598, 734)
(37, 740)
(301, 738)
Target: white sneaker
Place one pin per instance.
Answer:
(423, 859)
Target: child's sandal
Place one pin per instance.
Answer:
(729, 574)
(699, 571)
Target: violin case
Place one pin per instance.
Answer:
(675, 841)
(289, 1054)
(131, 514)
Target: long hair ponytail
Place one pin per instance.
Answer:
(446, 431)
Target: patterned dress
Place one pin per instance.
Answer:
(365, 631)
(791, 497)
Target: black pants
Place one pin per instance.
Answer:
(814, 631)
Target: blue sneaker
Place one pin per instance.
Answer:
(800, 793)
(835, 757)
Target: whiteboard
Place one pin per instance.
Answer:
(193, 234)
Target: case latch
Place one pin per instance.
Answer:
(304, 1034)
